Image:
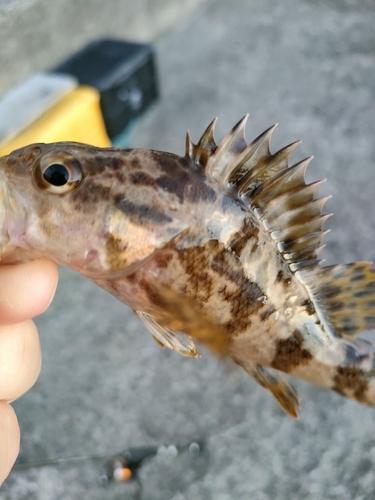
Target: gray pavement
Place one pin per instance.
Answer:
(36, 34)
(105, 385)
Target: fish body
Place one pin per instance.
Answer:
(219, 246)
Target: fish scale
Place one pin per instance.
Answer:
(218, 247)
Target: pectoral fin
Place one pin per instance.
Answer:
(175, 313)
(276, 383)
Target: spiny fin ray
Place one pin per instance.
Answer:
(232, 144)
(248, 158)
(265, 182)
(200, 153)
(284, 183)
(265, 169)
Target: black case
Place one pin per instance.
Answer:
(123, 72)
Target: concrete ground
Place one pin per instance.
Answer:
(37, 34)
(105, 385)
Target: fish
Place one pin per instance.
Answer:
(217, 248)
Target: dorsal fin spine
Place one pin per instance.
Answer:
(305, 253)
(248, 158)
(200, 153)
(293, 216)
(189, 152)
(290, 200)
(300, 243)
(265, 183)
(284, 181)
(278, 161)
(295, 232)
(232, 144)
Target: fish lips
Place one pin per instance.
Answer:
(12, 222)
(4, 236)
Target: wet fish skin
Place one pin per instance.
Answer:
(218, 246)
(104, 210)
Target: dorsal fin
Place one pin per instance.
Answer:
(264, 182)
(228, 149)
(201, 152)
(266, 168)
(345, 294)
(255, 152)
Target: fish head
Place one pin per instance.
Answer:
(99, 211)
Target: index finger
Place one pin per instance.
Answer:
(9, 438)
(26, 289)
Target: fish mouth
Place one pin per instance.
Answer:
(10, 218)
(4, 236)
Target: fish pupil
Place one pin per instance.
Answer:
(56, 174)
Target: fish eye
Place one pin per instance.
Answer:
(57, 172)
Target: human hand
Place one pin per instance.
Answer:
(26, 290)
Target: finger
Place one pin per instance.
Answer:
(20, 359)
(9, 439)
(26, 290)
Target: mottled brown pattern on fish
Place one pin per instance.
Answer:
(245, 299)
(153, 294)
(336, 306)
(196, 262)
(267, 313)
(101, 164)
(351, 379)
(162, 259)
(188, 186)
(240, 239)
(241, 316)
(51, 230)
(280, 276)
(116, 163)
(113, 169)
(331, 292)
(254, 247)
(171, 164)
(94, 193)
(221, 244)
(140, 178)
(290, 353)
(360, 274)
(116, 252)
(140, 213)
(284, 277)
(309, 306)
(135, 162)
(211, 264)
